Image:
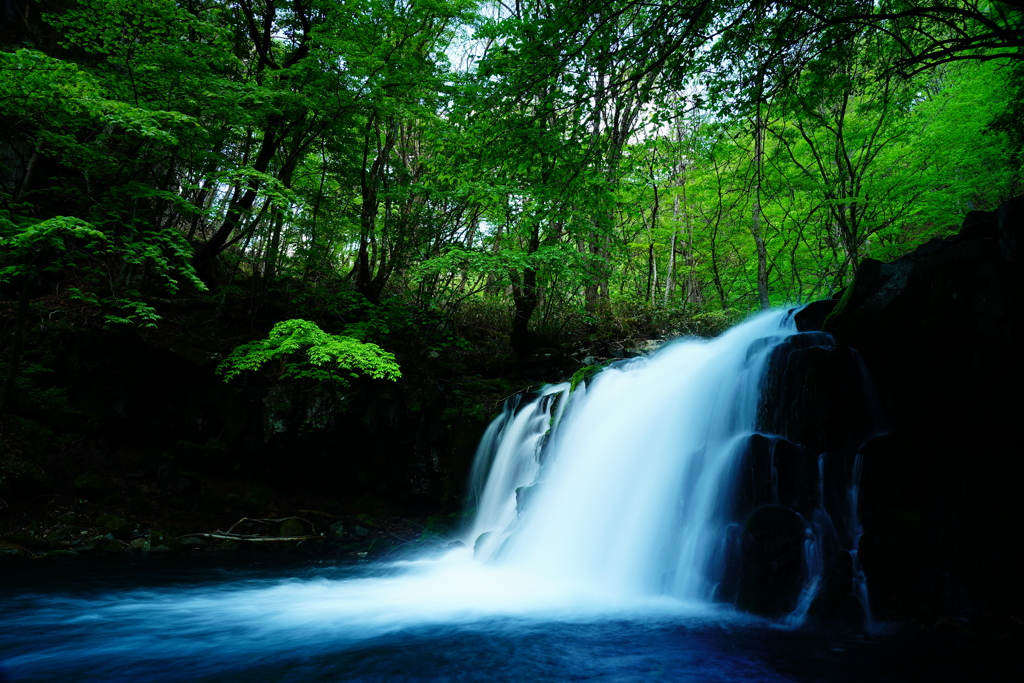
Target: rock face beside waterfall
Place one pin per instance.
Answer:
(940, 331)
(795, 502)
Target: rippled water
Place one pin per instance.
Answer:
(269, 622)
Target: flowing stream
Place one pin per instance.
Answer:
(595, 551)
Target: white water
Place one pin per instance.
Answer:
(631, 498)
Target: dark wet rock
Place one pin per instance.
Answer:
(836, 599)
(729, 586)
(773, 561)
(940, 330)
(378, 547)
(816, 395)
(160, 538)
(796, 476)
(360, 530)
(812, 316)
(754, 477)
(337, 530)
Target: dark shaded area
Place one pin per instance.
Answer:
(773, 571)
(940, 331)
(888, 425)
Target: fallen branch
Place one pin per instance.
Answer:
(231, 536)
(267, 521)
(245, 537)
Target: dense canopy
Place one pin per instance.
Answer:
(548, 165)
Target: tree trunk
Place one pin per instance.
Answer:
(273, 251)
(206, 262)
(755, 226)
(30, 169)
(670, 282)
(525, 299)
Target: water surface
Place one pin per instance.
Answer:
(275, 621)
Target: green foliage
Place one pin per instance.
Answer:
(51, 245)
(304, 351)
(578, 174)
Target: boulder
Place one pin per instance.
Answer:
(292, 527)
(772, 569)
(113, 525)
(754, 477)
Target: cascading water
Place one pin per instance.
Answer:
(628, 485)
(630, 490)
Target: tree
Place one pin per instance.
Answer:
(302, 351)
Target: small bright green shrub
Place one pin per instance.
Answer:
(307, 352)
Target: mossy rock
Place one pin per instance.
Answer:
(162, 539)
(584, 375)
(21, 476)
(114, 525)
(292, 527)
(89, 485)
(26, 540)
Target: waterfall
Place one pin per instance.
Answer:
(629, 480)
(627, 485)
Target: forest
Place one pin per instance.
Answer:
(530, 170)
(228, 226)
(511, 339)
